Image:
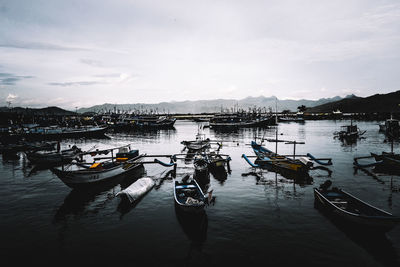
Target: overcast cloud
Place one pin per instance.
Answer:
(81, 53)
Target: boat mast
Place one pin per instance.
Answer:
(276, 122)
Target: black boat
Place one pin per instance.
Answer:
(391, 127)
(53, 158)
(241, 121)
(353, 210)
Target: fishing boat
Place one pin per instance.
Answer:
(291, 119)
(152, 122)
(222, 121)
(353, 210)
(56, 132)
(200, 143)
(391, 127)
(349, 132)
(81, 174)
(188, 195)
(386, 162)
(291, 166)
(279, 163)
(136, 190)
(53, 158)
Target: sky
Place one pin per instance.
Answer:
(82, 53)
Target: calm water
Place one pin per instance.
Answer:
(258, 217)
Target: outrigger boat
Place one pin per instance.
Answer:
(293, 166)
(81, 174)
(349, 132)
(352, 210)
(386, 161)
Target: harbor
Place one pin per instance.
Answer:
(250, 213)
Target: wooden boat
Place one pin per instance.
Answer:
(349, 132)
(200, 143)
(188, 195)
(153, 122)
(222, 121)
(53, 158)
(56, 132)
(290, 166)
(137, 189)
(391, 127)
(86, 174)
(278, 163)
(353, 210)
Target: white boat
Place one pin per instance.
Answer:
(85, 174)
(137, 189)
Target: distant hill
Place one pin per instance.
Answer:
(210, 106)
(382, 103)
(55, 111)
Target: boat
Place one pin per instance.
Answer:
(137, 189)
(391, 127)
(291, 166)
(200, 143)
(349, 132)
(152, 122)
(278, 163)
(188, 195)
(386, 162)
(353, 210)
(53, 158)
(56, 132)
(240, 120)
(218, 165)
(291, 119)
(80, 174)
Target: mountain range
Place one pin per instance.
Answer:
(378, 103)
(211, 106)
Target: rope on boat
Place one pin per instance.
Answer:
(249, 162)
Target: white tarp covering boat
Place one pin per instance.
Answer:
(137, 189)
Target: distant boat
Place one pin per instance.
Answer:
(239, 120)
(152, 122)
(291, 119)
(56, 132)
(354, 211)
(349, 132)
(53, 158)
(391, 127)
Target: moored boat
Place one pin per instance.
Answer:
(353, 210)
(86, 174)
(188, 195)
(137, 189)
(53, 158)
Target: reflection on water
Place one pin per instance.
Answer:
(376, 244)
(194, 225)
(79, 201)
(259, 213)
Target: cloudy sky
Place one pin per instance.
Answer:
(81, 53)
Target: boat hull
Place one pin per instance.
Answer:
(382, 222)
(87, 177)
